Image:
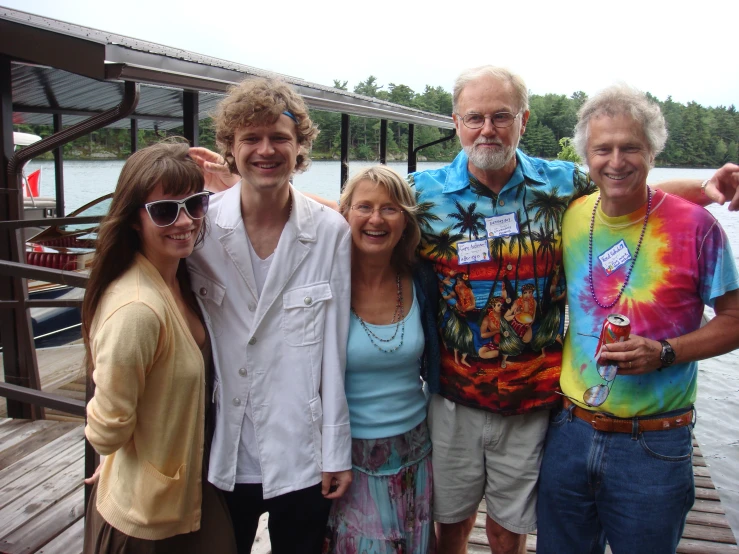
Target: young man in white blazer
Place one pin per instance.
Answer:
(273, 280)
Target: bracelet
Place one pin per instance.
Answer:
(704, 184)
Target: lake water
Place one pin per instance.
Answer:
(717, 430)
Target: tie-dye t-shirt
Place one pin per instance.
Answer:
(685, 262)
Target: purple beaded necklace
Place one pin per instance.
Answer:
(633, 261)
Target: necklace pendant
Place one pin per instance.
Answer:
(397, 320)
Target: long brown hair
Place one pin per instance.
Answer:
(167, 164)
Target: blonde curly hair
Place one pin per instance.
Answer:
(261, 101)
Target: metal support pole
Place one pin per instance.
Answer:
(134, 135)
(19, 357)
(121, 111)
(411, 152)
(383, 141)
(19, 354)
(449, 137)
(59, 169)
(344, 149)
(190, 110)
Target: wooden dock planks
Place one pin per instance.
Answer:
(706, 530)
(41, 489)
(68, 541)
(41, 497)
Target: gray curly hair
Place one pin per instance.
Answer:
(616, 100)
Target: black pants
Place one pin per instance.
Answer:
(297, 520)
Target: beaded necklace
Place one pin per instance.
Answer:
(633, 261)
(397, 319)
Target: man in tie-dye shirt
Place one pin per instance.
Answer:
(617, 458)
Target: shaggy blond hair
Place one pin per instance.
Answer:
(261, 101)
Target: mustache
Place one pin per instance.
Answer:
(483, 140)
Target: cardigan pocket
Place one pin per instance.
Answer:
(158, 499)
(304, 313)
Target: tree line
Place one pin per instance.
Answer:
(698, 136)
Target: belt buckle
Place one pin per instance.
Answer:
(600, 422)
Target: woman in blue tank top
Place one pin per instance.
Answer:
(392, 337)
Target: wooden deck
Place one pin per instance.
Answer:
(41, 489)
(706, 530)
(41, 496)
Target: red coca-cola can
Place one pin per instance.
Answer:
(616, 328)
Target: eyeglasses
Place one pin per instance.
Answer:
(164, 213)
(386, 212)
(501, 120)
(595, 396)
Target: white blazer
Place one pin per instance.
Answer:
(287, 348)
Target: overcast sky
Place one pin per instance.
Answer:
(686, 50)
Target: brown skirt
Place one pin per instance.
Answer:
(215, 534)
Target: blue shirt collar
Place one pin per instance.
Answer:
(458, 177)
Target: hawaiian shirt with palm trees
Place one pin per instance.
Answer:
(502, 292)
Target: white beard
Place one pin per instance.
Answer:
(486, 159)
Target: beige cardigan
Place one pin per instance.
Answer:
(147, 412)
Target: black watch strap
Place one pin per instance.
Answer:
(667, 356)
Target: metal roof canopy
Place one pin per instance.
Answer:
(62, 68)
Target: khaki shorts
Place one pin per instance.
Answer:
(478, 453)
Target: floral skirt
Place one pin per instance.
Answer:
(387, 509)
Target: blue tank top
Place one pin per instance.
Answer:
(384, 390)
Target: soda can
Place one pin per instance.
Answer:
(616, 328)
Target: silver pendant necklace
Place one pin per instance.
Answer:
(397, 319)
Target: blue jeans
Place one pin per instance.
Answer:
(634, 490)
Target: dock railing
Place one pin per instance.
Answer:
(22, 388)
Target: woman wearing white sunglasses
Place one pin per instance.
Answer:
(149, 355)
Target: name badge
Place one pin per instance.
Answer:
(502, 225)
(473, 252)
(616, 256)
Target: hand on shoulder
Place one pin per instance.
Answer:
(724, 185)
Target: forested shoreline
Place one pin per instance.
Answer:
(698, 136)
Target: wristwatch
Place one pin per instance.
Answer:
(667, 357)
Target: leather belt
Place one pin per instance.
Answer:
(603, 422)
